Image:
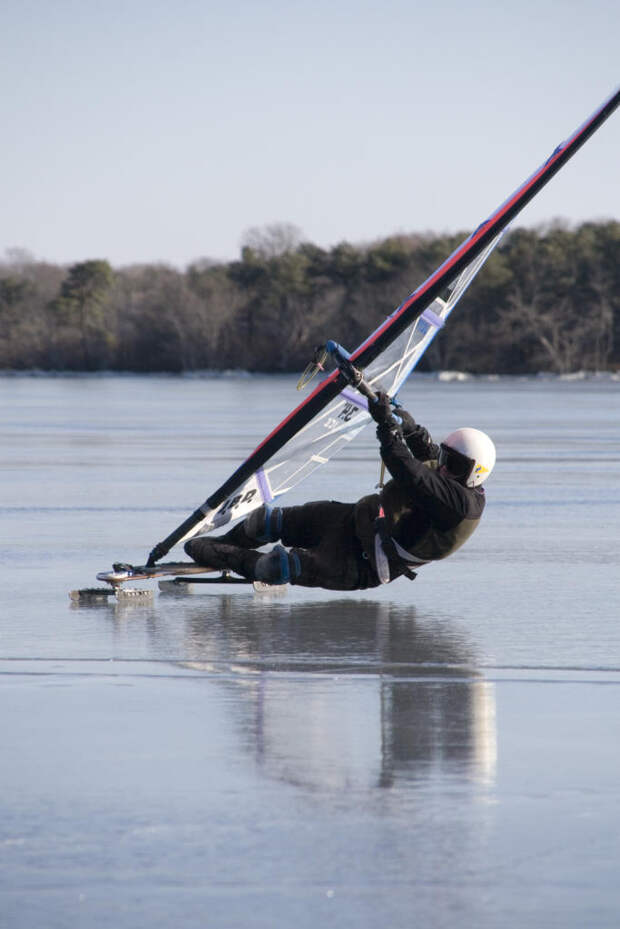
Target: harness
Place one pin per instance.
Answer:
(387, 549)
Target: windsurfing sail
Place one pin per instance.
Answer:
(333, 414)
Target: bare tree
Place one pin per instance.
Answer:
(272, 240)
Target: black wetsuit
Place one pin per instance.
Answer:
(427, 514)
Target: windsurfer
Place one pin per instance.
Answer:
(429, 508)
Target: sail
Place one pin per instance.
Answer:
(321, 426)
(335, 427)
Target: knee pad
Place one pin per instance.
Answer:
(278, 566)
(206, 552)
(264, 524)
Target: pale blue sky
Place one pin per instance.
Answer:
(150, 131)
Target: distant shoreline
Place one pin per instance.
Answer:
(444, 377)
(546, 300)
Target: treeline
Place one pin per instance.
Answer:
(547, 300)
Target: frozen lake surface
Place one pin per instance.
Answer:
(437, 753)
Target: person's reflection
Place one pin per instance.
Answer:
(340, 693)
(444, 725)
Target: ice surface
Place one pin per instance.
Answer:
(438, 753)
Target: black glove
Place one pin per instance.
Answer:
(408, 422)
(380, 409)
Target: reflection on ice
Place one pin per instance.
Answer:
(446, 727)
(339, 735)
(347, 693)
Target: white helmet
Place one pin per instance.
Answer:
(469, 456)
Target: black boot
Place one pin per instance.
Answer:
(262, 525)
(278, 566)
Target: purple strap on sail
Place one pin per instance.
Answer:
(353, 397)
(432, 318)
(263, 486)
